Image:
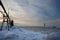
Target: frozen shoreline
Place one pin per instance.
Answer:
(16, 33)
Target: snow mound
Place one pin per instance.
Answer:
(16, 33)
(53, 36)
(21, 34)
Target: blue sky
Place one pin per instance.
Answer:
(34, 12)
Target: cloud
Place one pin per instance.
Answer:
(31, 12)
(54, 22)
(38, 8)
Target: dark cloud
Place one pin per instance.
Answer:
(37, 11)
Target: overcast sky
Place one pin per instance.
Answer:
(34, 12)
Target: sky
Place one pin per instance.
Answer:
(34, 12)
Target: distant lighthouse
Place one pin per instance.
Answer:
(44, 25)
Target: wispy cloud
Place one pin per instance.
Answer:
(33, 12)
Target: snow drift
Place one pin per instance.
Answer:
(16, 33)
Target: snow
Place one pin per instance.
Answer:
(20, 34)
(16, 33)
(54, 36)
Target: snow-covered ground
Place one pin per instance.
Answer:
(16, 33)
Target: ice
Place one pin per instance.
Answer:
(16, 33)
(54, 36)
